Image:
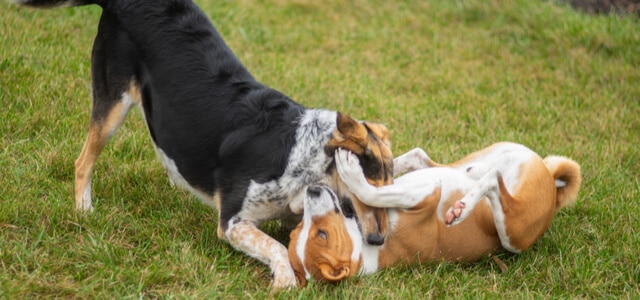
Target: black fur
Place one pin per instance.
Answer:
(225, 128)
(203, 108)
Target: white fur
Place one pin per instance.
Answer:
(305, 166)
(560, 183)
(317, 207)
(356, 237)
(86, 198)
(414, 159)
(301, 244)
(487, 188)
(370, 258)
(176, 178)
(476, 179)
(406, 191)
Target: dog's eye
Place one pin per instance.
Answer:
(322, 234)
(347, 208)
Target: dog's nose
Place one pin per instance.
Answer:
(375, 239)
(314, 191)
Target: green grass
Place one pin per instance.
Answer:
(448, 76)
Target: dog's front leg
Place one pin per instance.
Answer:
(245, 236)
(404, 193)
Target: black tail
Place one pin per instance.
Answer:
(54, 3)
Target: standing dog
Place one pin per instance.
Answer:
(506, 194)
(240, 146)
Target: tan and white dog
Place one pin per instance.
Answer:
(506, 195)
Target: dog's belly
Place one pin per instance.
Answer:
(177, 179)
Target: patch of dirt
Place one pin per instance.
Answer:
(607, 6)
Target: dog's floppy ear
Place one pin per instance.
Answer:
(350, 134)
(380, 131)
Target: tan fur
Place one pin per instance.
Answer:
(217, 199)
(530, 209)
(100, 131)
(330, 259)
(84, 164)
(528, 213)
(563, 168)
(421, 235)
(134, 92)
(350, 134)
(325, 258)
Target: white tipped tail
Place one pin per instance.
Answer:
(566, 174)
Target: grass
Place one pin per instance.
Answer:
(448, 76)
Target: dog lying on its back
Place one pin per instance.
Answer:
(240, 146)
(504, 196)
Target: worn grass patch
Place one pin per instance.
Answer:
(448, 76)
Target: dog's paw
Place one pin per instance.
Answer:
(349, 168)
(455, 214)
(414, 159)
(283, 280)
(84, 206)
(83, 201)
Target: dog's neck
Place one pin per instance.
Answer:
(308, 161)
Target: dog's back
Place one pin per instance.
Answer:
(238, 120)
(205, 112)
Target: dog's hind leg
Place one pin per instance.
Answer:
(115, 90)
(502, 203)
(414, 159)
(106, 118)
(487, 186)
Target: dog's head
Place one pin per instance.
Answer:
(326, 244)
(372, 144)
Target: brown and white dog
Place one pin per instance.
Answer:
(503, 196)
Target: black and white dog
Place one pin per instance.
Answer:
(240, 146)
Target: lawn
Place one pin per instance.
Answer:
(448, 76)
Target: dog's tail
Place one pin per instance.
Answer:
(54, 3)
(566, 173)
